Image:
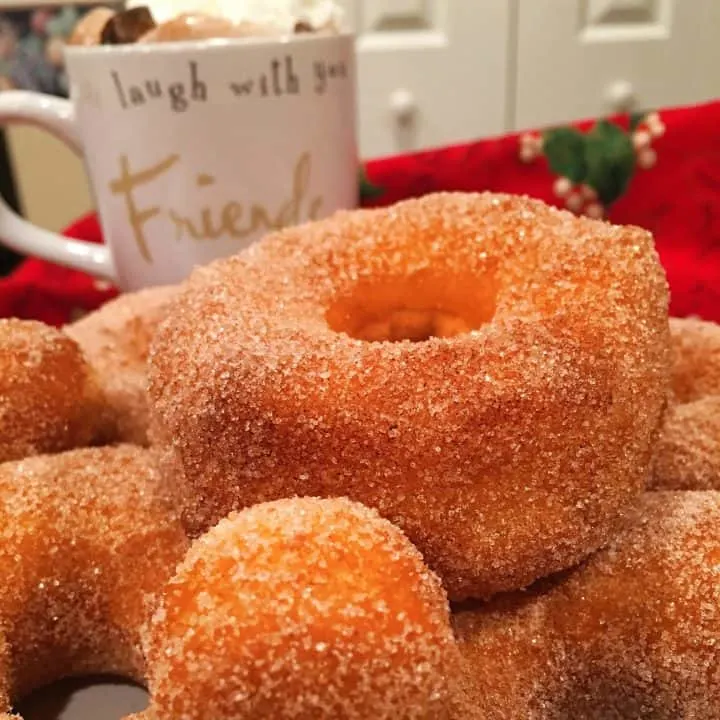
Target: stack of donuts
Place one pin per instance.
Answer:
(447, 460)
(688, 455)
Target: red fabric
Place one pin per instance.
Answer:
(678, 200)
(39, 290)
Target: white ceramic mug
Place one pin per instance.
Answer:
(196, 149)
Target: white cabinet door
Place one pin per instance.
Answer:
(585, 58)
(430, 72)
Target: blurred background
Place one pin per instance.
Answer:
(431, 73)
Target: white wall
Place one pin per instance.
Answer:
(434, 72)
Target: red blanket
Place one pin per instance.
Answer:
(673, 191)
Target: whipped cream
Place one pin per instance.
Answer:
(281, 15)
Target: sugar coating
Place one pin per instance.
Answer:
(687, 456)
(116, 341)
(49, 397)
(301, 609)
(633, 633)
(86, 539)
(4, 678)
(505, 454)
(415, 325)
(696, 358)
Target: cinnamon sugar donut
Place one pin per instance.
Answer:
(634, 633)
(86, 538)
(505, 453)
(696, 359)
(50, 400)
(687, 456)
(301, 608)
(5, 681)
(116, 340)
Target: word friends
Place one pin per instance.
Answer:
(232, 219)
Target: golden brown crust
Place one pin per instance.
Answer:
(302, 608)
(505, 454)
(86, 538)
(116, 340)
(632, 633)
(5, 704)
(696, 359)
(50, 400)
(687, 456)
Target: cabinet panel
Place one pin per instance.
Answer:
(431, 72)
(584, 58)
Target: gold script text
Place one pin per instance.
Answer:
(232, 219)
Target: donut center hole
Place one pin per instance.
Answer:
(416, 308)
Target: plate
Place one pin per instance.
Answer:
(86, 699)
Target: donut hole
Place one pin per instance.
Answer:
(415, 308)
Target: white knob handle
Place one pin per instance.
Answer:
(402, 104)
(620, 95)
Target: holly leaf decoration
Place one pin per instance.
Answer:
(368, 190)
(564, 149)
(610, 159)
(636, 119)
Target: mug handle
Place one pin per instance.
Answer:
(57, 116)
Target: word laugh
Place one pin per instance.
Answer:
(279, 79)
